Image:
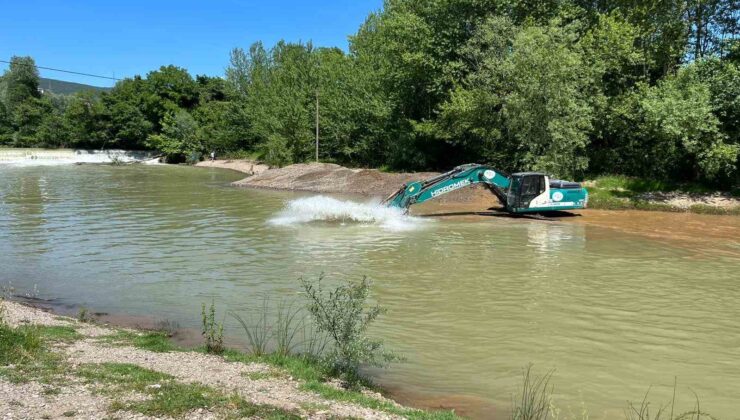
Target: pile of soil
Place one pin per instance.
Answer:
(332, 178)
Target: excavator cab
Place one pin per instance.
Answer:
(525, 187)
(530, 192)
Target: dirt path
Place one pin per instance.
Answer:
(249, 167)
(67, 395)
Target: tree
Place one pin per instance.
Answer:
(168, 90)
(526, 103)
(21, 82)
(53, 131)
(128, 128)
(87, 117)
(279, 93)
(6, 128)
(178, 139)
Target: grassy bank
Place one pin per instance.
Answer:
(120, 368)
(628, 193)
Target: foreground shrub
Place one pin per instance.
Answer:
(213, 332)
(343, 315)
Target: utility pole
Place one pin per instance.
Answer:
(317, 126)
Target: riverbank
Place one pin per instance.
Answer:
(56, 366)
(606, 193)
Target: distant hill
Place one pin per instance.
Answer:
(61, 87)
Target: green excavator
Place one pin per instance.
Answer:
(523, 192)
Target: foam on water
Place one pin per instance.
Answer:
(328, 209)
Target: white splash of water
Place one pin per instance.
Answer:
(327, 209)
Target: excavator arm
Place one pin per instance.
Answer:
(460, 177)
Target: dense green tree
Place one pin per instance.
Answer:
(723, 79)
(178, 139)
(168, 90)
(87, 117)
(547, 111)
(27, 117)
(53, 131)
(20, 82)
(6, 128)
(224, 127)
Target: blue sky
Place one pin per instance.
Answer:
(124, 38)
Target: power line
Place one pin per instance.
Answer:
(66, 71)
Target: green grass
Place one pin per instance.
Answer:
(311, 372)
(238, 155)
(618, 192)
(121, 376)
(155, 341)
(59, 333)
(298, 367)
(20, 344)
(24, 351)
(176, 399)
(167, 396)
(256, 376)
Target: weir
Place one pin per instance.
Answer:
(34, 157)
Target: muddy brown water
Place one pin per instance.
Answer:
(615, 302)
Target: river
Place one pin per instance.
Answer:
(615, 308)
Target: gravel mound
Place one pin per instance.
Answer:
(331, 178)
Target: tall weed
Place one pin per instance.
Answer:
(213, 332)
(258, 330)
(534, 401)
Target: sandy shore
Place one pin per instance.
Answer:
(68, 393)
(249, 167)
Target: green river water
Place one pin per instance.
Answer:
(470, 302)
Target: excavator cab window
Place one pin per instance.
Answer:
(524, 188)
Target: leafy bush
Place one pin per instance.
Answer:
(343, 314)
(213, 332)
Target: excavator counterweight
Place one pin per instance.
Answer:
(525, 192)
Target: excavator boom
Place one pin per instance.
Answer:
(460, 177)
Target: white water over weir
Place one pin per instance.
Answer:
(41, 157)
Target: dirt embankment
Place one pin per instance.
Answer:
(336, 179)
(331, 178)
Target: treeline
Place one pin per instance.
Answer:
(570, 87)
